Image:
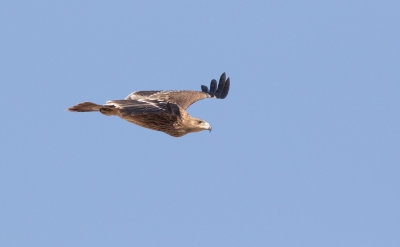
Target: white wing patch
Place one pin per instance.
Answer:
(140, 106)
(155, 103)
(143, 102)
(137, 95)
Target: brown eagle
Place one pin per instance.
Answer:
(161, 110)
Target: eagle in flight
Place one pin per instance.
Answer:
(161, 110)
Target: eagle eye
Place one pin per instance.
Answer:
(199, 121)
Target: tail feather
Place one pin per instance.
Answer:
(85, 107)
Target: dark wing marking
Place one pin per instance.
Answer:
(144, 106)
(223, 87)
(173, 109)
(185, 98)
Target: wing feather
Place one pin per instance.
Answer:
(184, 98)
(137, 107)
(223, 87)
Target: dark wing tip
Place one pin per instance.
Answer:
(213, 87)
(223, 87)
(223, 77)
(225, 91)
(204, 89)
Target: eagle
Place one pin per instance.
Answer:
(161, 110)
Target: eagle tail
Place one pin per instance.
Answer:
(85, 107)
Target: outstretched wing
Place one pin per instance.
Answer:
(144, 106)
(185, 98)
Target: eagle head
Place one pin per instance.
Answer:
(195, 125)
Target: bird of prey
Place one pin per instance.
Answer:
(161, 110)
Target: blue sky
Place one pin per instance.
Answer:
(304, 150)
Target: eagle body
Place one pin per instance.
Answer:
(167, 123)
(163, 111)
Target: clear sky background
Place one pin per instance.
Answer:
(305, 150)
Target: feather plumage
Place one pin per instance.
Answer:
(162, 110)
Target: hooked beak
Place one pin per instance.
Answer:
(209, 129)
(204, 126)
